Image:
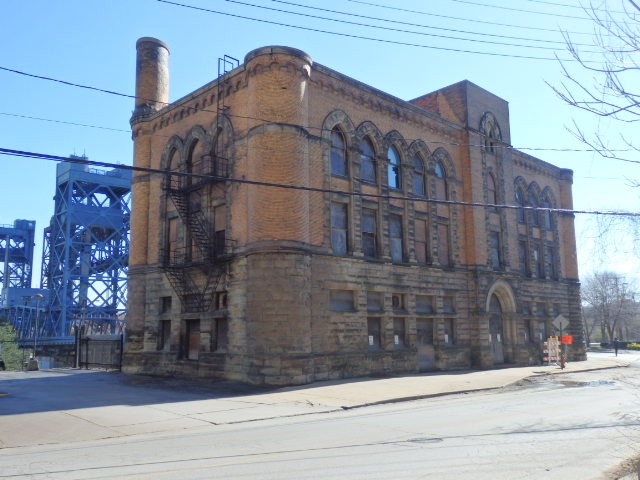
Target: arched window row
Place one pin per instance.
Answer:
(536, 205)
(388, 161)
(201, 151)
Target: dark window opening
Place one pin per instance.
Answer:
(398, 332)
(339, 228)
(395, 238)
(369, 233)
(394, 171)
(338, 153)
(367, 161)
(373, 332)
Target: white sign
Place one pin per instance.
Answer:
(560, 322)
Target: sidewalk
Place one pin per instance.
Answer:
(60, 406)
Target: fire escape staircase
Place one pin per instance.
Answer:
(195, 277)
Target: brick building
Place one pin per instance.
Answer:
(308, 227)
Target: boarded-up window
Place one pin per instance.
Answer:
(341, 300)
(192, 339)
(220, 228)
(444, 257)
(418, 176)
(369, 233)
(425, 304)
(523, 257)
(398, 302)
(375, 301)
(399, 332)
(222, 334)
(338, 153)
(550, 262)
(449, 331)
(367, 161)
(424, 331)
(422, 254)
(494, 250)
(448, 304)
(373, 332)
(164, 335)
(172, 240)
(165, 304)
(339, 228)
(395, 238)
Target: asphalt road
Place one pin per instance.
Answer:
(567, 426)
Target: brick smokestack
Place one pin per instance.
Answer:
(152, 77)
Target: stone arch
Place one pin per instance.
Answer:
(503, 291)
(339, 120)
(174, 145)
(418, 155)
(490, 129)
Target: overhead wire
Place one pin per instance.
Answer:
(411, 24)
(362, 37)
(309, 127)
(471, 20)
(245, 181)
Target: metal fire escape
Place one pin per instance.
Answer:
(194, 270)
(86, 250)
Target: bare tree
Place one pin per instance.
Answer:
(612, 304)
(614, 68)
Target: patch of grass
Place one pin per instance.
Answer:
(13, 356)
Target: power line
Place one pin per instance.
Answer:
(360, 37)
(56, 158)
(387, 20)
(52, 120)
(521, 10)
(472, 20)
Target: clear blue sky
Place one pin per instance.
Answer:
(93, 43)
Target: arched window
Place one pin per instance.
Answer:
(418, 175)
(533, 212)
(441, 181)
(393, 170)
(367, 161)
(520, 203)
(545, 214)
(338, 153)
(492, 196)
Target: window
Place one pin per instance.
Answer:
(375, 301)
(441, 181)
(369, 233)
(172, 240)
(341, 301)
(520, 203)
(395, 238)
(424, 331)
(424, 304)
(221, 300)
(528, 333)
(418, 176)
(373, 332)
(367, 161)
(443, 245)
(338, 153)
(448, 305)
(165, 304)
(550, 262)
(523, 257)
(421, 245)
(192, 339)
(494, 250)
(394, 171)
(538, 261)
(398, 332)
(545, 214)
(222, 335)
(449, 331)
(164, 335)
(339, 228)
(541, 309)
(398, 302)
(491, 192)
(220, 227)
(533, 212)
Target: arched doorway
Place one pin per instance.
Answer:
(496, 330)
(501, 307)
